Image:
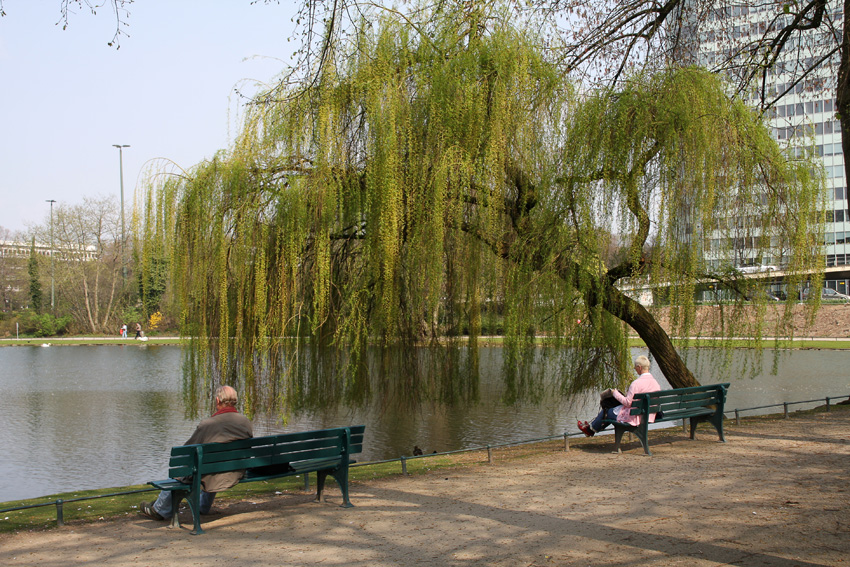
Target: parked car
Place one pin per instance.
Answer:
(827, 294)
(831, 294)
(767, 295)
(757, 269)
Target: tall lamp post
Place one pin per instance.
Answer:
(52, 250)
(123, 235)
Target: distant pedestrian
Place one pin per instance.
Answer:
(138, 331)
(124, 331)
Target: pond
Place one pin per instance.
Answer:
(80, 417)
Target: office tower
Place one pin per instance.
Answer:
(799, 92)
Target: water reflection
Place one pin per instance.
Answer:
(88, 417)
(296, 378)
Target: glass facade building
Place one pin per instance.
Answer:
(799, 89)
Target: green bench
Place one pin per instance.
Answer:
(324, 451)
(702, 403)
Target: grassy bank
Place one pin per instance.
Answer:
(705, 342)
(104, 504)
(89, 341)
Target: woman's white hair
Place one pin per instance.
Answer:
(643, 362)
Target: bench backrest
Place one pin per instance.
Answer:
(680, 400)
(266, 451)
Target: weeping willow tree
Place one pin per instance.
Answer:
(440, 179)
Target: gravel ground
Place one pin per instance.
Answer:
(775, 494)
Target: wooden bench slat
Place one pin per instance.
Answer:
(167, 484)
(300, 449)
(289, 438)
(180, 472)
(667, 407)
(684, 399)
(301, 466)
(224, 461)
(673, 415)
(247, 462)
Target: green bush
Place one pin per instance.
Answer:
(7, 324)
(46, 325)
(131, 316)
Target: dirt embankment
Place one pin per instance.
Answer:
(830, 321)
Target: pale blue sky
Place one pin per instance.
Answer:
(66, 97)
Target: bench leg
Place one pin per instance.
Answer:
(717, 421)
(341, 476)
(641, 435)
(642, 432)
(176, 497)
(194, 501)
(320, 484)
(694, 422)
(618, 436)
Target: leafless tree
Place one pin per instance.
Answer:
(804, 40)
(87, 261)
(67, 8)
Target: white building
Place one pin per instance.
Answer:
(13, 249)
(803, 117)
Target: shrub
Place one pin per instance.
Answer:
(45, 325)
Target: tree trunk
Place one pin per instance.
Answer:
(638, 318)
(842, 99)
(89, 318)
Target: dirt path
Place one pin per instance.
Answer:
(775, 494)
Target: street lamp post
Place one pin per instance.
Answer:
(52, 250)
(123, 235)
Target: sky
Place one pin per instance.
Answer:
(66, 97)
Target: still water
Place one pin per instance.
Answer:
(79, 417)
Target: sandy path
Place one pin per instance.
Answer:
(776, 494)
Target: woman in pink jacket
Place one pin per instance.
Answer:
(644, 383)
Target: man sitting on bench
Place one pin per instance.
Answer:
(643, 384)
(226, 424)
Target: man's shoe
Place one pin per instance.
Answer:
(585, 428)
(146, 508)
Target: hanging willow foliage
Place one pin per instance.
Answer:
(443, 181)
